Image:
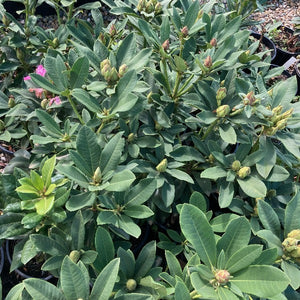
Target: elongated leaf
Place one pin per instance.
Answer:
(181, 291)
(112, 153)
(253, 187)
(47, 170)
(74, 174)
(173, 264)
(126, 50)
(227, 133)
(261, 281)
(41, 289)
(226, 294)
(45, 84)
(145, 260)
(121, 181)
(138, 211)
(77, 231)
(140, 60)
(81, 200)
(292, 213)
(87, 147)
(105, 248)
(141, 192)
(268, 217)
(271, 239)
(56, 68)
(84, 98)
(79, 72)
(129, 226)
(236, 236)
(48, 122)
(44, 205)
(243, 258)
(199, 233)
(293, 272)
(226, 194)
(72, 283)
(105, 282)
(213, 173)
(180, 175)
(123, 104)
(48, 245)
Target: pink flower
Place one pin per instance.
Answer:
(40, 70)
(27, 78)
(56, 100)
(38, 92)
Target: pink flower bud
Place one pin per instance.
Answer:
(166, 45)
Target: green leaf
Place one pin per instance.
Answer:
(227, 133)
(271, 239)
(111, 154)
(126, 50)
(79, 72)
(77, 231)
(191, 14)
(37, 180)
(84, 98)
(56, 68)
(243, 258)
(289, 141)
(71, 279)
(128, 225)
(293, 272)
(226, 194)
(126, 84)
(265, 165)
(199, 233)
(47, 170)
(220, 222)
(292, 213)
(278, 174)
(213, 173)
(253, 187)
(74, 174)
(123, 104)
(226, 294)
(49, 122)
(145, 260)
(29, 251)
(121, 181)
(81, 200)
(41, 289)
(185, 153)
(138, 211)
(181, 291)
(173, 264)
(48, 245)
(268, 217)
(105, 248)
(180, 175)
(141, 192)
(45, 84)
(105, 282)
(140, 60)
(261, 281)
(44, 205)
(198, 200)
(87, 147)
(164, 29)
(236, 236)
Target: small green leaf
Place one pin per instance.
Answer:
(121, 181)
(79, 72)
(47, 170)
(253, 187)
(44, 205)
(138, 211)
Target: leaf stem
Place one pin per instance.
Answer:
(209, 129)
(165, 72)
(75, 109)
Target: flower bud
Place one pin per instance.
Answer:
(55, 42)
(223, 111)
(104, 63)
(281, 124)
(213, 42)
(122, 70)
(158, 126)
(208, 62)
(271, 193)
(244, 172)
(221, 94)
(296, 253)
(200, 14)
(97, 177)
(20, 54)
(290, 244)
(11, 101)
(105, 71)
(157, 8)
(131, 137)
(211, 158)
(141, 5)
(102, 38)
(236, 165)
(112, 30)
(44, 103)
(287, 113)
(250, 98)
(131, 285)
(294, 234)
(222, 276)
(166, 45)
(74, 255)
(185, 31)
(162, 166)
(113, 75)
(5, 21)
(277, 110)
(2, 125)
(149, 98)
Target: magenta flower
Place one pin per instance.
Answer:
(38, 92)
(56, 100)
(40, 70)
(27, 78)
